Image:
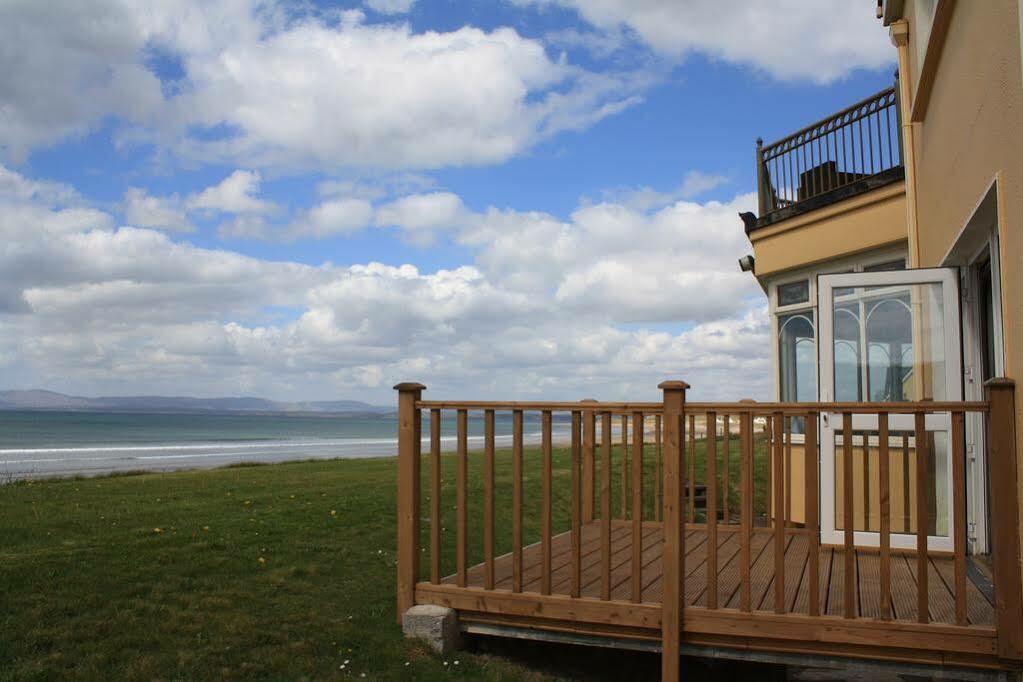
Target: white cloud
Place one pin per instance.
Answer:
(332, 217)
(788, 39)
(162, 213)
(421, 215)
(263, 84)
(237, 193)
(391, 6)
(693, 185)
(66, 66)
(600, 305)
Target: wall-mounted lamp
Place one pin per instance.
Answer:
(746, 263)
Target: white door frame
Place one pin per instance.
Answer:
(831, 422)
(976, 445)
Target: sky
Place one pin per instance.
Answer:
(501, 199)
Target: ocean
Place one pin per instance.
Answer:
(38, 444)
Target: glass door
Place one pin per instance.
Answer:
(888, 337)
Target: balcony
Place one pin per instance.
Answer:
(852, 152)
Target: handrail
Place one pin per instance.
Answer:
(910, 407)
(859, 145)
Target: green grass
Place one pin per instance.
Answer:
(276, 572)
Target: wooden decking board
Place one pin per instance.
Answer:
(727, 547)
(836, 586)
(561, 578)
(903, 589)
(831, 577)
(621, 564)
(731, 572)
(978, 608)
(802, 602)
(561, 555)
(940, 601)
(869, 571)
(761, 577)
(795, 564)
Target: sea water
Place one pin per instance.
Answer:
(36, 444)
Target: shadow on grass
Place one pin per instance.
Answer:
(576, 662)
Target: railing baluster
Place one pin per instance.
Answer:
(812, 514)
(726, 479)
(488, 499)
(746, 440)
(589, 452)
(788, 470)
(435, 496)
(545, 507)
(922, 456)
(959, 513)
(517, 501)
(712, 510)
(769, 455)
(576, 582)
(866, 483)
(884, 483)
(657, 467)
(637, 507)
(462, 427)
(605, 507)
(849, 577)
(692, 468)
(779, 515)
(907, 514)
(624, 501)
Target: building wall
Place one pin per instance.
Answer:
(972, 133)
(859, 224)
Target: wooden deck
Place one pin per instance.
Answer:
(904, 567)
(771, 591)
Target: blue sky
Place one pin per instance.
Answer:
(502, 199)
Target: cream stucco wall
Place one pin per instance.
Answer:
(859, 224)
(970, 137)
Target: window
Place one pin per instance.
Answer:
(863, 366)
(798, 357)
(887, 266)
(793, 293)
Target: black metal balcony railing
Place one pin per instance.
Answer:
(855, 150)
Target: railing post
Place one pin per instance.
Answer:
(674, 538)
(1001, 439)
(761, 190)
(409, 444)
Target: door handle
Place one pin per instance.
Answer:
(824, 418)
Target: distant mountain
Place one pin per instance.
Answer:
(50, 400)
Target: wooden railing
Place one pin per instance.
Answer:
(859, 143)
(594, 558)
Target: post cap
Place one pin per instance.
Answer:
(409, 386)
(747, 401)
(589, 400)
(1000, 382)
(673, 385)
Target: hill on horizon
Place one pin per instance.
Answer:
(41, 399)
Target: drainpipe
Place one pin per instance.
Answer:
(899, 32)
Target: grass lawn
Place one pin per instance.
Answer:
(283, 571)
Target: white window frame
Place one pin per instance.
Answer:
(849, 264)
